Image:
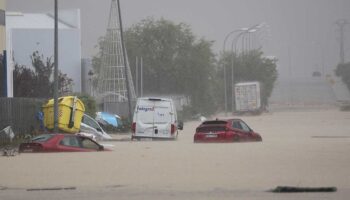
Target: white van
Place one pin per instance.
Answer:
(155, 118)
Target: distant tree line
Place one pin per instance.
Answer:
(177, 62)
(37, 82)
(343, 71)
(249, 66)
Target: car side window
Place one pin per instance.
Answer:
(244, 126)
(89, 122)
(70, 141)
(89, 144)
(236, 125)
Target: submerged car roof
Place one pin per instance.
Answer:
(155, 99)
(210, 122)
(217, 121)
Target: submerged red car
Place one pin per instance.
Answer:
(230, 130)
(60, 143)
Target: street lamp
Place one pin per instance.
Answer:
(223, 51)
(248, 31)
(246, 40)
(234, 44)
(55, 95)
(264, 33)
(242, 31)
(139, 76)
(91, 73)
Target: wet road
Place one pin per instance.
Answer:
(308, 92)
(303, 148)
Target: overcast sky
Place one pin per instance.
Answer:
(301, 33)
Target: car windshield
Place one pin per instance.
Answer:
(42, 138)
(215, 122)
(206, 129)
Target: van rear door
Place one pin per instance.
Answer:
(163, 117)
(154, 117)
(144, 118)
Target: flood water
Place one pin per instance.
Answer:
(299, 148)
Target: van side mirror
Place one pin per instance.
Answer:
(180, 125)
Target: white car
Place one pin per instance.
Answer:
(90, 125)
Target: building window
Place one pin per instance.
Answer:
(2, 18)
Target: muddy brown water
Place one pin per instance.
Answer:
(304, 148)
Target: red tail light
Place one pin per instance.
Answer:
(133, 127)
(173, 129)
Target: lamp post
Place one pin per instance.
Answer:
(91, 73)
(55, 95)
(243, 33)
(263, 33)
(246, 41)
(223, 51)
(234, 50)
(141, 76)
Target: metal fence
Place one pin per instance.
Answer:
(20, 114)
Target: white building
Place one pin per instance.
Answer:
(30, 32)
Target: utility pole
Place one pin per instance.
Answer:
(55, 95)
(125, 62)
(137, 76)
(341, 23)
(141, 75)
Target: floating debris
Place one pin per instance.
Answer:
(49, 189)
(289, 189)
(9, 151)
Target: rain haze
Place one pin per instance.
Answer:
(301, 34)
(192, 141)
